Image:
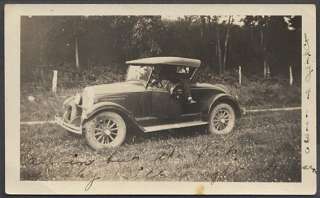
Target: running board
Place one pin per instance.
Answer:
(173, 126)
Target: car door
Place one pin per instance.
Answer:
(163, 105)
(139, 103)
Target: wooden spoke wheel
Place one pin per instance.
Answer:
(105, 130)
(222, 119)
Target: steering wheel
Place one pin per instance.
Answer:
(156, 80)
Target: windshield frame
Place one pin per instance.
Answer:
(145, 82)
(152, 67)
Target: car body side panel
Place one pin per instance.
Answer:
(201, 95)
(207, 96)
(164, 106)
(160, 105)
(137, 103)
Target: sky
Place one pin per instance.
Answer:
(237, 18)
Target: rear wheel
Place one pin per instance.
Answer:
(222, 119)
(105, 130)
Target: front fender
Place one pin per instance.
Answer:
(227, 98)
(109, 106)
(68, 101)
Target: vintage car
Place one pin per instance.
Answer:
(151, 99)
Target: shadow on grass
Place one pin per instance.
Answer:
(140, 137)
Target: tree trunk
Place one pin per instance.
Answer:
(203, 26)
(219, 51)
(261, 38)
(211, 55)
(77, 52)
(226, 45)
(264, 68)
(203, 38)
(263, 50)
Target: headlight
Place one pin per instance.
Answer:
(77, 99)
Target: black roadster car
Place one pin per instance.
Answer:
(149, 101)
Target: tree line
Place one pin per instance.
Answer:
(260, 44)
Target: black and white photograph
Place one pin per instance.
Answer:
(203, 99)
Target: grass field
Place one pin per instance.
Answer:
(264, 147)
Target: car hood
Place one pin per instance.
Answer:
(117, 88)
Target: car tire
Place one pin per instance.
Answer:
(222, 119)
(105, 130)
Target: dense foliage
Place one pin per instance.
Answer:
(83, 42)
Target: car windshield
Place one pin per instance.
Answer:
(140, 73)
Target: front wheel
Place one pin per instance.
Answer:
(105, 130)
(222, 119)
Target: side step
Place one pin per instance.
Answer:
(174, 126)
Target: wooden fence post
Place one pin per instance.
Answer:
(290, 75)
(54, 81)
(268, 71)
(264, 69)
(240, 74)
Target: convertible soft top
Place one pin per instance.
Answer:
(176, 61)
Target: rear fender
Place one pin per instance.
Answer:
(226, 98)
(110, 106)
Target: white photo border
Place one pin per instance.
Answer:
(13, 185)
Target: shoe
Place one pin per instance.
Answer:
(191, 101)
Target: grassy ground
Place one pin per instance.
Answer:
(44, 106)
(264, 147)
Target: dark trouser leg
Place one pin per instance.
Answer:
(186, 87)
